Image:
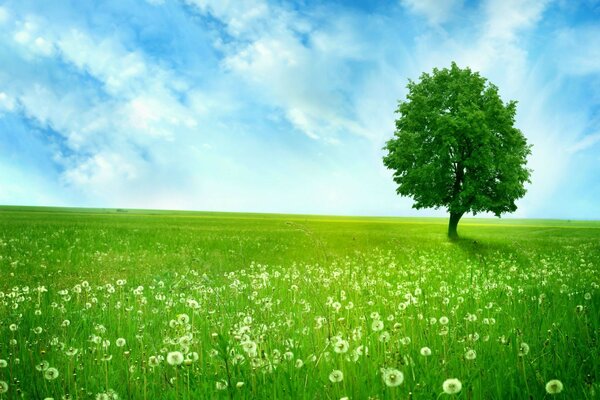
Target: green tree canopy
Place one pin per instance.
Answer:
(456, 146)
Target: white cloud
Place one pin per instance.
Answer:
(584, 143)
(506, 18)
(7, 103)
(4, 15)
(436, 11)
(580, 50)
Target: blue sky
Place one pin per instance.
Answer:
(276, 106)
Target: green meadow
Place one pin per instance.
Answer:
(106, 304)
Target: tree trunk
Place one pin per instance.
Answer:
(453, 224)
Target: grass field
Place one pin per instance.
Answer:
(143, 304)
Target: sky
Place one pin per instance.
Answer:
(276, 106)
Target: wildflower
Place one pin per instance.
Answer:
(221, 385)
(341, 347)
(299, 363)
(336, 376)
(384, 337)
(153, 361)
(13, 327)
(362, 350)
(3, 363)
(42, 366)
(523, 349)
(3, 387)
(377, 325)
(38, 330)
(51, 373)
(451, 386)
(120, 342)
(66, 323)
(239, 384)
(444, 320)
(71, 351)
(183, 319)
(392, 377)
(554, 386)
(174, 358)
(425, 351)
(107, 357)
(471, 354)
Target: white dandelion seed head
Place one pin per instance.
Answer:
(51, 373)
(120, 342)
(470, 354)
(3, 387)
(341, 346)
(336, 376)
(554, 386)
(377, 325)
(183, 319)
(175, 358)
(221, 385)
(392, 377)
(425, 351)
(153, 361)
(452, 386)
(523, 349)
(42, 365)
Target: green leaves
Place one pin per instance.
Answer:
(455, 145)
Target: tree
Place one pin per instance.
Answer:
(456, 146)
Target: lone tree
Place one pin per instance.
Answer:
(455, 146)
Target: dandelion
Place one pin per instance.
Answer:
(554, 386)
(392, 377)
(523, 349)
(336, 376)
(221, 385)
(452, 386)
(471, 354)
(384, 337)
(153, 361)
(174, 358)
(183, 319)
(299, 363)
(377, 325)
(13, 327)
(120, 342)
(38, 330)
(107, 357)
(42, 366)
(425, 351)
(341, 347)
(3, 387)
(71, 351)
(444, 320)
(3, 363)
(51, 374)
